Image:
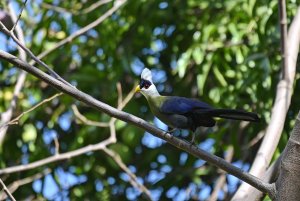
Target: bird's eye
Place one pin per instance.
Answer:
(145, 84)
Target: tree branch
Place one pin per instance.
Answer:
(7, 191)
(7, 115)
(90, 101)
(133, 179)
(287, 184)
(16, 120)
(83, 30)
(283, 35)
(28, 51)
(16, 184)
(86, 121)
(17, 20)
(54, 158)
(270, 176)
(279, 111)
(222, 178)
(76, 12)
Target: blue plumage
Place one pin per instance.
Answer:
(181, 105)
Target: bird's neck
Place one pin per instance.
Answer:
(152, 94)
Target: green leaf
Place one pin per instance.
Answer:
(198, 55)
(31, 146)
(120, 124)
(183, 63)
(230, 73)
(201, 78)
(214, 95)
(220, 77)
(29, 133)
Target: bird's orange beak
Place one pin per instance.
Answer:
(137, 89)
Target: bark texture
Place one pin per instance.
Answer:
(288, 182)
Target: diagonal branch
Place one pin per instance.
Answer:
(133, 179)
(7, 191)
(16, 184)
(7, 115)
(86, 121)
(17, 20)
(283, 36)
(28, 51)
(90, 101)
(83, 30)
(75, 12)
(16, 120)
(54, 158)
(222, 178)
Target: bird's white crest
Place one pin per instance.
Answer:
(147, 75)
(151, 91)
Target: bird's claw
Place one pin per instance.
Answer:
(193, 139)
(172, 130)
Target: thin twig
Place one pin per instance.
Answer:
(56, 8)
(76, 12)
(16, 120)
(28, 51)
(113, 137)
(124, 102)
(121, 105)
(86, 121)
(7, 115)
(56, 143)
(133, 179)
(34, 107)
(283, 36)
(16, 22)
(120, 95)
(7, 191)
(16, 184)
(92, 7)
(54, 158)
(222, 178)
(84, 29)
(127, 98)
(255, 140)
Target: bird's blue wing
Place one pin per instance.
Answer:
(181, 105)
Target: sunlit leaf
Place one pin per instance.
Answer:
(29, 133)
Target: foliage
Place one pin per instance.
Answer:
(226, 53)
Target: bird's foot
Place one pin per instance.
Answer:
(192, 142)
(172, 130)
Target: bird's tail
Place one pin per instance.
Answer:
(233, 114)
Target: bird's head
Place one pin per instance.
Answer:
(146, 86)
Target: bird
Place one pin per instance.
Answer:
(185, 113)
